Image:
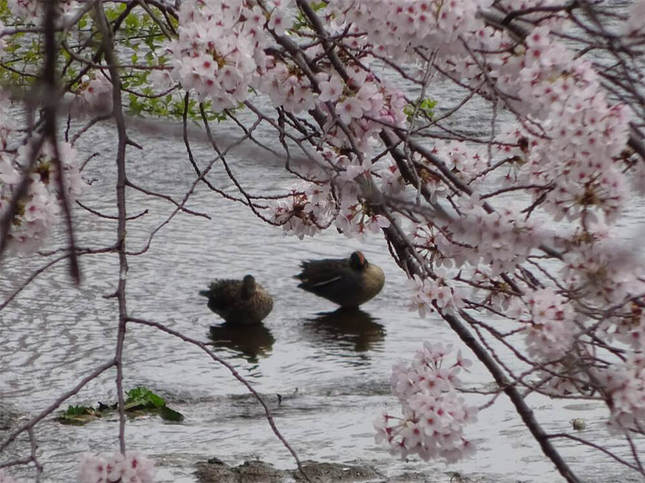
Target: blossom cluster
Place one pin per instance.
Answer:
(220, 50)
(30, 10)
(287, 87)
(428, 293)
(397, 26)
(363, 104)
(334, 196)
(131, 468)
(551, 328)
(304, 213)
(213, 54)
(576, 152)
(481, 241)
(37, 210)
(624, 386)
(95, 94)
(433, 414)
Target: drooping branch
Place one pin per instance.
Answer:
(236, 375)
(107, 39)
(54, 405)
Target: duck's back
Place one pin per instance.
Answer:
(224, 295)
(336, 280)
(227, 299)
(318, 274)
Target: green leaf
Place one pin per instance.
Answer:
(140, 401)
(423, 108)
(132, 21)
(76, 410)
(78, 415)
(170, 414)
(145, 397)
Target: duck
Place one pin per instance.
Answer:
(242, 302)
(348, 282)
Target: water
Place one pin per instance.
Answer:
(324, 382)
(331, 381)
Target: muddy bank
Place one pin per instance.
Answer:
(256, 471)
(215, 470)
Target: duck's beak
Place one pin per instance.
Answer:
(205, 293)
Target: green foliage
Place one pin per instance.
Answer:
(423, 108)
(78, 415)
(78, 410)
(170, 414)
(141, 397)
(112, 13)
(140, 401)
(139, 42)
(317, 6)
(5, 14)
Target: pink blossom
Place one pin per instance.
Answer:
(350, 108)
(131, 468)
(93, 469)
(552, 329)
(330, 90)
(433, 415)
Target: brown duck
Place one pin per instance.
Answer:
(239, 301)
(348, 282)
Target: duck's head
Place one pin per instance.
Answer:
(357, 261)
(248, 286)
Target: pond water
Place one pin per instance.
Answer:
(325, 380)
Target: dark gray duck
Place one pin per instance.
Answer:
(348, 282)
(239, 301)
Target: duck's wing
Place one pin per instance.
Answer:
(222, 293)
(318, 273)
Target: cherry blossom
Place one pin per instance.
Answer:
(625, 390)
(287, 87)
(38, 209)
(429, 294)
(96, 94)
(433, 415)
(93, 469)
(218, 63)
(281, 18)
(131, 468)
(400, 26)
(27, 9)
(30, 10)
(330, 89)
(552, 330)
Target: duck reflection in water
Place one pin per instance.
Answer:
(347, 327)
(249, 341)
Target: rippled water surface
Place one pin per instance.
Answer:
(325, 379)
